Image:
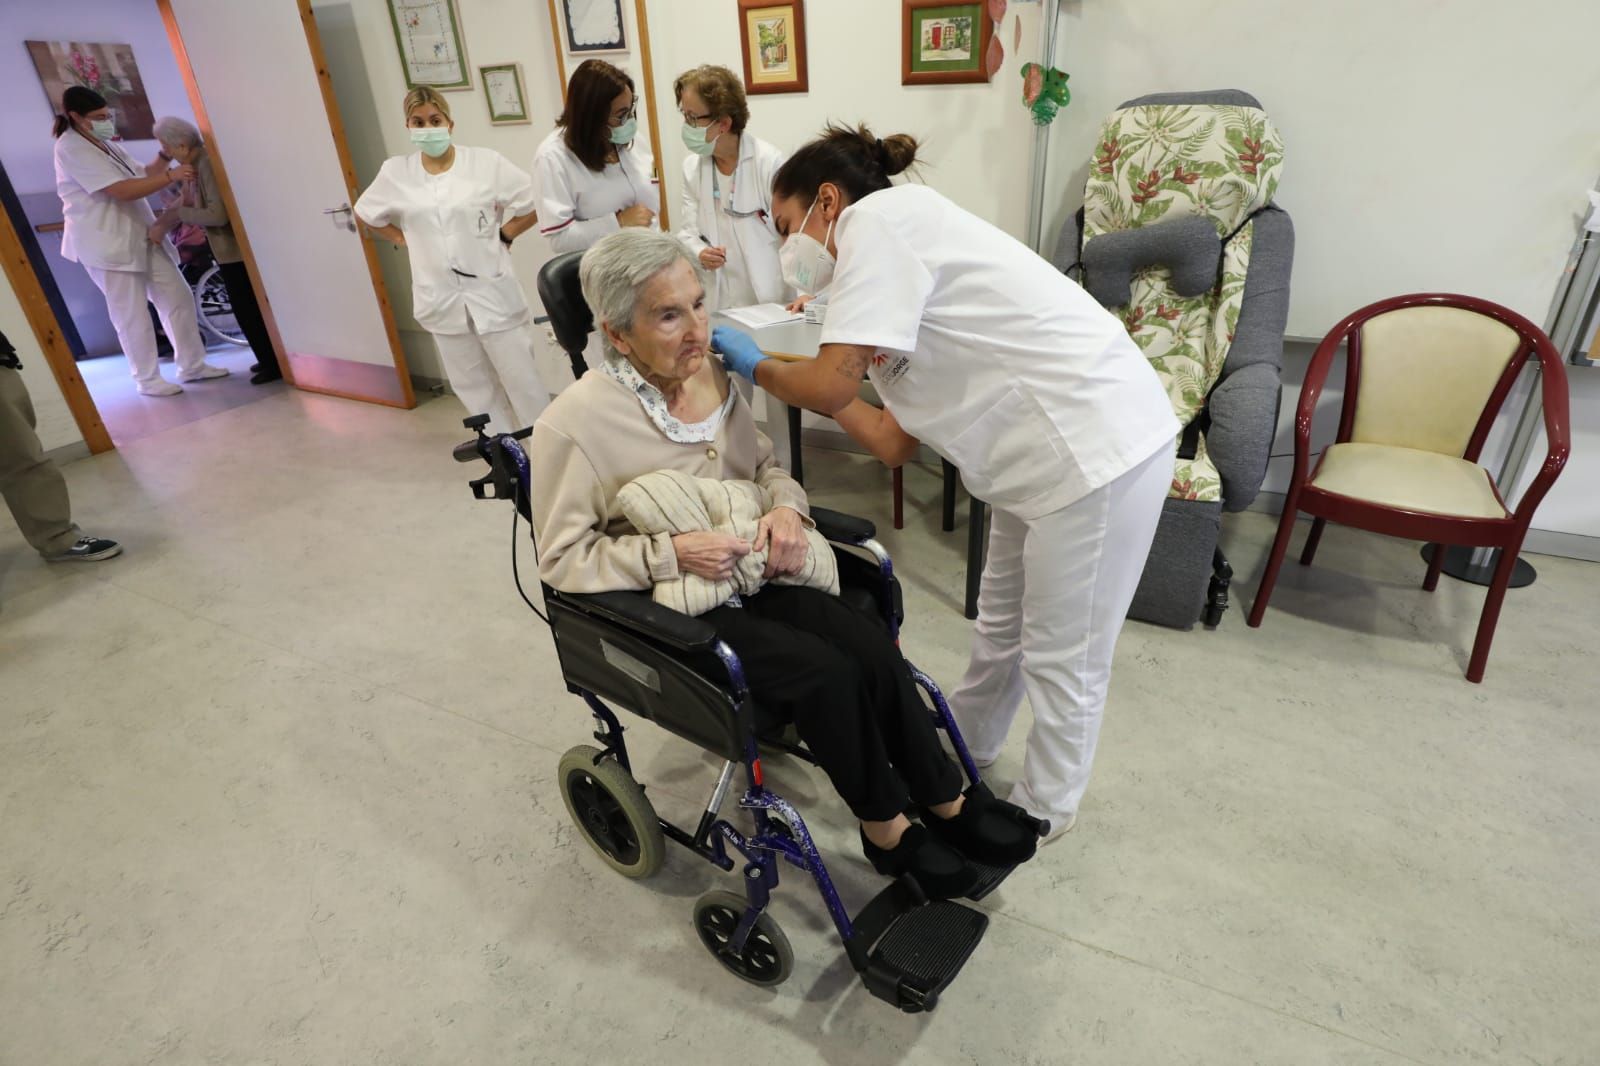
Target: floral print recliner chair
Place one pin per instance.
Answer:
(1179, 236)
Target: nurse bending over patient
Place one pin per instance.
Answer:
(658, 402)
(1002, 364)
(457, 210)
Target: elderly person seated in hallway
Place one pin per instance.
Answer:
(660, 402)
(202, 205)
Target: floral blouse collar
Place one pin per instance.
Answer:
(655, 405)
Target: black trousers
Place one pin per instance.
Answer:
(833, 671)
(247, 312)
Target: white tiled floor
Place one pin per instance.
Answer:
(130, 417)
(276, 787)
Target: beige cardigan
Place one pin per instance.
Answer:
(595, 438)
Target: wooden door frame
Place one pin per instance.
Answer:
(347, 168)
(41, 316)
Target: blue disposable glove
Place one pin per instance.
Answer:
(740, 352)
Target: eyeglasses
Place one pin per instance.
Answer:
(692, 118)
(616, 120)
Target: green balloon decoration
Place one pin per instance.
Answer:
(1044, 92)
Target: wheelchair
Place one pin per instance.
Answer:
(622, 649)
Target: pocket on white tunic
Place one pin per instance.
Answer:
(1010, 453)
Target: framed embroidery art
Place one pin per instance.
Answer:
(429, 36)
(595, 26)
(944, 43)
(773, 40)
(502, 90)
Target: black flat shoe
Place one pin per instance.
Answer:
(254, 367)
(987, 829)
(940, 872)
(263, 377)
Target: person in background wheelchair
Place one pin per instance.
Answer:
(659, 402)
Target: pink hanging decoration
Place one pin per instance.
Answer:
(1016, 34)
(996, 56)
(997, 10)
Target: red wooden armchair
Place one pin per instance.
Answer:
(1425, 376)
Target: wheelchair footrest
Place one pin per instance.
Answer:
(908, 951)
(989, 878)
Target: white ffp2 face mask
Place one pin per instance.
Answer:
(805, 261)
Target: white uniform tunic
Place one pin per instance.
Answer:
(464, 289)
(990, 355)
(1001, 363)
(100, 231)
(735, 212)
(578, 206)
(452, 226)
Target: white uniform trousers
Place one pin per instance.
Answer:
(128, 291)
(495, 374)
(1054, 596)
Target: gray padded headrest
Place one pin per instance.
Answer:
(1188, 247)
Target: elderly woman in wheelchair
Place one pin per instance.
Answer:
(622, 471)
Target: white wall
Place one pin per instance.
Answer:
(1430, 144)
(359, 43)
(977, 138)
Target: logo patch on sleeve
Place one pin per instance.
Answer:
(889, 367)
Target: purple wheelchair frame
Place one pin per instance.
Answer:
(780, 831)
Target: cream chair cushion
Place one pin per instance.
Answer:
(1409, 478)
(1426, 374)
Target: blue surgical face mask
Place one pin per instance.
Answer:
(103, 128)
(697, 140)
(433, 140)
(623, 134)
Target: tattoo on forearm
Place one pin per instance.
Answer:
(854, 365)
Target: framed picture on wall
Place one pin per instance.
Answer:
(428, 33)
(595, 26)
(108, 69)
(773, 40)
(502, 90)
(943, 43)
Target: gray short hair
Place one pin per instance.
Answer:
(615, 271)
(170, 129)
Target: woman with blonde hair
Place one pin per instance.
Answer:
(456, 211)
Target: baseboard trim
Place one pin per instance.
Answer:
(68, 453)
(1538, 541)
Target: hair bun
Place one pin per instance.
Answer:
(896, 153)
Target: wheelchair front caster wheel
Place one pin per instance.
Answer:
(611, 811)
(767, 959)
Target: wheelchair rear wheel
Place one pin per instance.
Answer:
(610, 809)
(767, 959)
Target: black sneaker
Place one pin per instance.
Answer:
(986, 830)
(87, 550)
(941, 873)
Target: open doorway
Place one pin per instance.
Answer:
(252, 82)
(121, 50)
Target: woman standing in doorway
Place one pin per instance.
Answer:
(457, 210)
(592, 179)
(727, 190)
(202, 205)
(112, 232)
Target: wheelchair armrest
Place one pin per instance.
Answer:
(845, 528)
(638, 612)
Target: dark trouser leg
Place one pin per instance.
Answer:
(888, 726)
(32, 486)
(247, 312)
